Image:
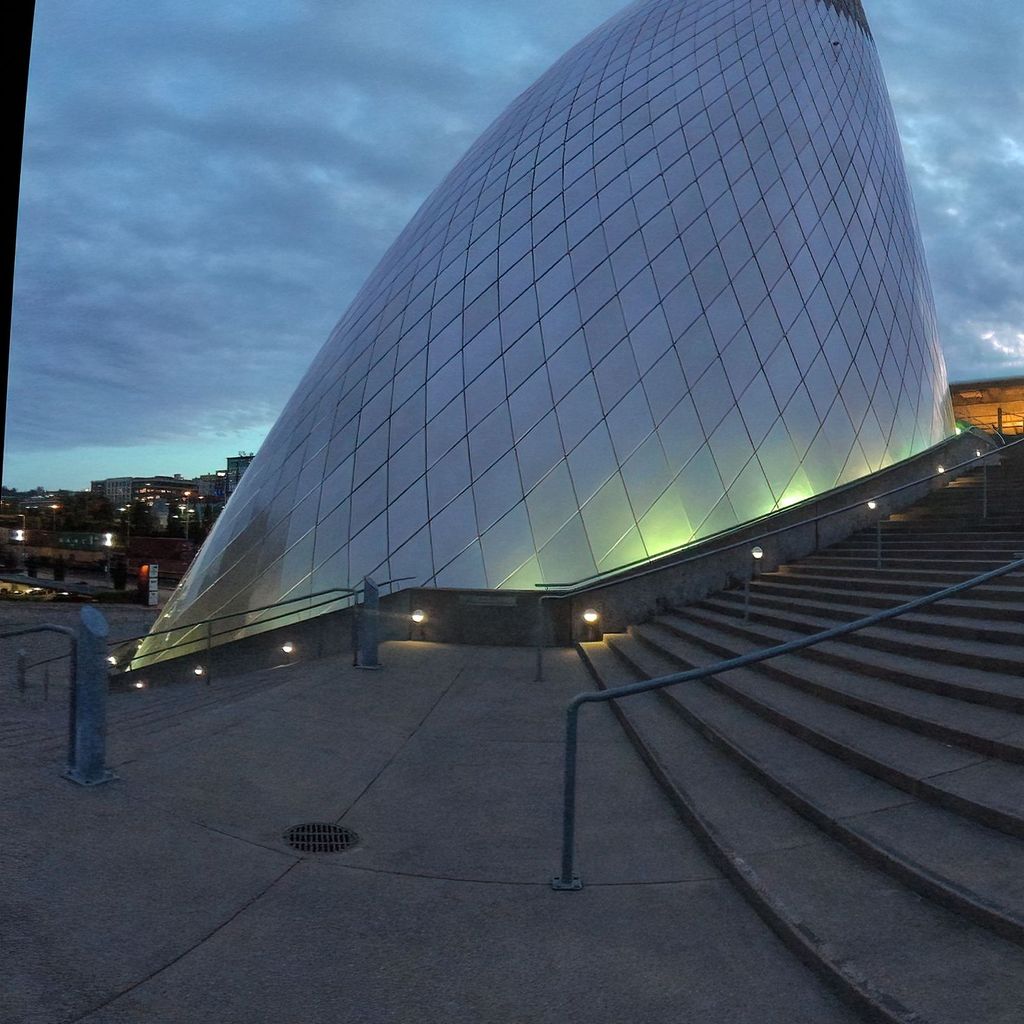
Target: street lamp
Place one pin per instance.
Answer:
(126, 522)
(186, 510)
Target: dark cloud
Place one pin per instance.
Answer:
(207, 185)
(956, 75)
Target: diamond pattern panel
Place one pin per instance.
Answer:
(676, 285)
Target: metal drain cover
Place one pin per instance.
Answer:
(320, 837)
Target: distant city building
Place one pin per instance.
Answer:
(237, 465)
(213, 485)
(118, 490)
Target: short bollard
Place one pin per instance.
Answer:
(368, 623)
(87, 741)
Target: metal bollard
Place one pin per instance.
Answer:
(209, 649)
(368, 625)
(88, 715)
(539, 674)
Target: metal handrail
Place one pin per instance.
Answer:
(608, 578)
(344, 592)
(340, 593)
(569, 880)
(72, 654)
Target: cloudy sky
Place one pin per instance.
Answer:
(208, 182)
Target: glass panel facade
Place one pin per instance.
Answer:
(677, 284)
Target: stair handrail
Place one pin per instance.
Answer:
(569, 880)
(622, 573)
(340, 592)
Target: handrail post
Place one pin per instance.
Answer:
(569, 881)
(539, 674)
(368, 625)
(87, 754)
(209, 648)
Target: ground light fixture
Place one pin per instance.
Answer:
(941, 469)
(288, 647)
(758, 552)
(872, 505)
(199, 670)
(139, 685)
(418, 616)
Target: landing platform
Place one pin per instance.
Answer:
(171, 896)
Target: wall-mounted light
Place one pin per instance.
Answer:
(872, 505)
(418, 616)
(590, 616)
(288, 647)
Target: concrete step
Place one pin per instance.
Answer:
(928, 581)
(1003, 602)
(987, 791)
(862, 543)
(838, 611)
(943, 573)
(989, 731)
(851, 921)
(1006, 657)
(964, 866)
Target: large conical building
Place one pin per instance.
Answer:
(678, 284)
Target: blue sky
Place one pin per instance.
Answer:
(206, 185)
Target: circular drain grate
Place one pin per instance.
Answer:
(320, 837)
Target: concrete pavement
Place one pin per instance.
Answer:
(170, 894)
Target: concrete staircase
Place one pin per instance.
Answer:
(867, 794)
